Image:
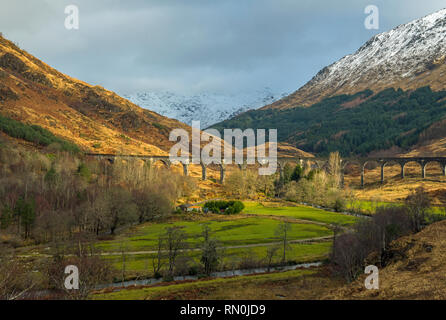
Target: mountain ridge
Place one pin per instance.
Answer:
(390, 122)
(94, 118)
(409, 56)
(208, 108)
(384, 99)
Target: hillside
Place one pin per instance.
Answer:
(409, 56)
(390, 121)
(415, 269)
(385, 99)
(95, 119)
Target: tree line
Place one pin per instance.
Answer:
(304, 184)
(54, 196)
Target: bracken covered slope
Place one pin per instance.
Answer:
(415, 269)
(410, 56)
(95, 119)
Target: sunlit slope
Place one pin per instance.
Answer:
(94, 118)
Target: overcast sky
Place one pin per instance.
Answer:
(193, 46)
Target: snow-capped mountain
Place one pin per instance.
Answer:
(407, 57)
(209, 108)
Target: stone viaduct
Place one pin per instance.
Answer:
(319, 163)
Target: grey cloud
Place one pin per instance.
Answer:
(198, 45)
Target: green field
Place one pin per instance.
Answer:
(138, 264)
(366, 206)
(241, 238)
(369, 207)
(299, 212)
(245, 231)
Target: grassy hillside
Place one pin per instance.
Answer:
(34, 133)
(352, 124)
(90, 116)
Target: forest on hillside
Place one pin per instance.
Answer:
(351, 124)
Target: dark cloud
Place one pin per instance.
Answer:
(198, 45)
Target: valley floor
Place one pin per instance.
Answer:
(417, 271)
(243, 239)
(415, 276)
(252, 232)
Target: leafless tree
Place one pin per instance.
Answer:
(334, 168)
(157, 260)
(417, 204)
(175, 240)
(122, 209)
(351, 248)
(348, 258)
(15, 280)
(282, 232)
(209, 251)
(93, 270)
(270, 254)
(152, 204)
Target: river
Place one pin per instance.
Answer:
(220, 274)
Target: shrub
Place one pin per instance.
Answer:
(229, 207)
(297, 173)
(84, 171)
(159, 126)
(339, 205)
(238, 206)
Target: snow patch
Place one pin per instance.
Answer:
(209, 108)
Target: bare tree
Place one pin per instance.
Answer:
(123, 248)
(336, 233)
(347, 259)
(417, 204)
(93, 270)
(334, 168)
(157, 261)
(151, 204)
(241, 184)
(175, 239)
(282, 232)
(351, 248)
(270, 254)
(15, 280)
(210, 255)
(122, 210)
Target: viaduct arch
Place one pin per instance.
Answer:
(319, 163)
